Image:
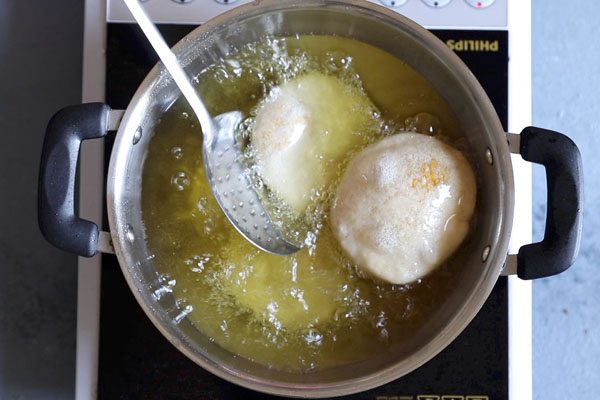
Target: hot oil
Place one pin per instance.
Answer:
(314, 309)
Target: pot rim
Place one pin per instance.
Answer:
(461, 318)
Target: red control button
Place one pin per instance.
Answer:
(480, 3)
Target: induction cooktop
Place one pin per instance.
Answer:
(120, 354)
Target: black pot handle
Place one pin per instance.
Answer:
(561, 158)
(57, 214)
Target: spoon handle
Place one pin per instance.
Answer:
(171, 63)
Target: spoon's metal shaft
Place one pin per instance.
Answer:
(171, 63)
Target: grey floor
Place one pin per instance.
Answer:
(40, 71)
(566, 83)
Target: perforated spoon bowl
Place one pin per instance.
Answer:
(226, 174)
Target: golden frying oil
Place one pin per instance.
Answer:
(311, 310)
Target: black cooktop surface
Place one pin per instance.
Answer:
(137, 362)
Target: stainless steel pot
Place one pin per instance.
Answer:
(489, 144)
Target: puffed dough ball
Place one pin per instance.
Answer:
(303, 128)
(403, 206)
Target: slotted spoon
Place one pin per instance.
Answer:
(226, 175)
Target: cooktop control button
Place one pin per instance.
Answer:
(226, 1)
(393, 3)
(437, 3)
(480, 3)
(182, 1)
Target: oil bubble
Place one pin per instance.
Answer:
(185, 311)
(425, 123)
(197, 263)
(166, 283)
(167, 280)
(313, 337)
(208, 226)
(202, 204)
(180, 180)
(177, 152)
